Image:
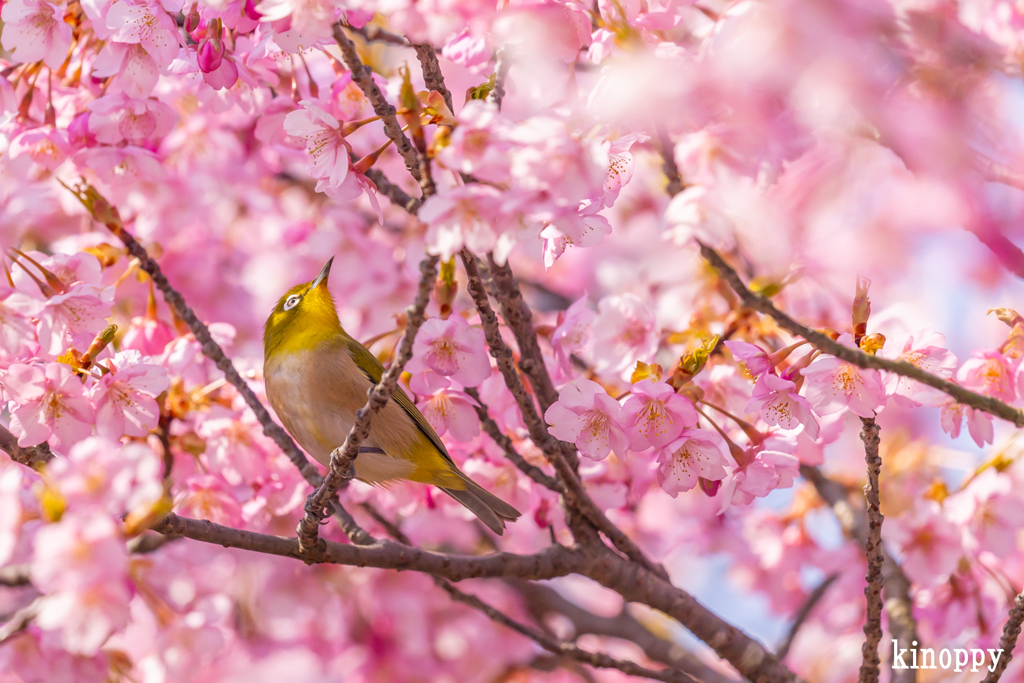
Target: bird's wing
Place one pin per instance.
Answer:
(373, 369)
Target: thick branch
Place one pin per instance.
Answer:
(873, 550)
(1011, 631)
(595, 659)
(30, 456)
(637, 584)
(432, 75)
(342, 458)
(549, 563)
(519, 319)
(363, 76)
(856, 357)
(542, 600)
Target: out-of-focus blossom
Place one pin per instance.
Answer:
(989, 511)
(451, 348)
(588, 417)
(464, 216)
(929, 542)
(117, 118)
(989, 372)
(468, 50)
(624, 332)
(979, 423)
(572, 334)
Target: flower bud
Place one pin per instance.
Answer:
(861, 309)
(192, 19)
(710, 488)
(210, 55)
(872, 343)
(249, 9)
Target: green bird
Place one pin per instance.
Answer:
(317, 377)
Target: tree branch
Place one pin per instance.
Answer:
(575, 495)
(542, 600)
(856, 357)
(363, 77)
(1011, 631)
(595, 659)
(805, 611)
(549, 563)
(432, 75)
(20, 620)
(30, 456)
(505, 443)
(393, 192)
(896, 586)
(873, 550)
(502, 63)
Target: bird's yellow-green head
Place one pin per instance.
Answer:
(303, 319)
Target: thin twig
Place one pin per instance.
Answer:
(20, 620)
(30, 456)
(505, 443)
(502, 63)
(372, 33)
(675, 180)
(856, 357)
(805, 611)
(15, 575)
(341, 466)
(1011, 631)
(873, 549)
(397, 195)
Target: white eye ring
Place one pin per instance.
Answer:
(292, 302)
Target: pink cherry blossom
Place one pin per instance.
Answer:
(117, 118)
(764, 472)
(588, 417)
(102, 473)
(989, 511)
(16, 328)
(833, 384)
(929, 355)
(462, 217)
(446, 407)
(780, 405)
(451, 348)
(929, 542)
(64, 318)
(572, 334)
(80, 563)
(50, 405)
(979, 423)
(480, 144)
(624, 332)
(695, 453)
(620, 165)
(35, 30)
(656, 415)
(45, 146)
(146, 24)
(989, 372)
(468, 50)
(326, 148)
(125, 398)
(133, 70)
(752, 357)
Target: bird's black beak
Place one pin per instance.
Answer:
(322, 277)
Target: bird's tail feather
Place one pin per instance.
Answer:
(491, 510)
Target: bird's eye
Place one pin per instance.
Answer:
(292, 302)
